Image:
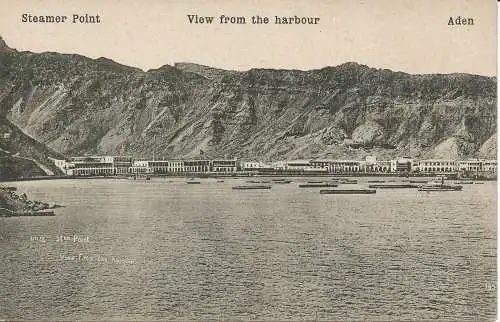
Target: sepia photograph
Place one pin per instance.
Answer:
(216, 160)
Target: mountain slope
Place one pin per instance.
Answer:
(78, 105)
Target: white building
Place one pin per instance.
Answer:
(437, 166)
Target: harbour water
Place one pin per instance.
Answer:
(163, 249)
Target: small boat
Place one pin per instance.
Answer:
(139, 177)
(279, 179)
(348, 181)
(220, 180)
(282, 182)
(376, 181)
(250, 187)
(348, 191)
(439, 186)
(192, 181)
(478, 182)
(418, 181)
(318, 185)
(464, 182)
(393, 186)
(315, 182)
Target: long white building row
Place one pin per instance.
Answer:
(122, 165)
(371, 164)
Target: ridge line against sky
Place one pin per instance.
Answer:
(399, 35)
(242, 70)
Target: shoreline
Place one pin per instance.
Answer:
(249, 175)
(15, 205)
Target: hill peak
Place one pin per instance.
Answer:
(4, 46)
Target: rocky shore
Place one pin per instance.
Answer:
(13, 205)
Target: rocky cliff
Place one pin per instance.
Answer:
(77, 105)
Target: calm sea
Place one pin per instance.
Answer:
(163, 249)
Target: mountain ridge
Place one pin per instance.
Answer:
(78, 105)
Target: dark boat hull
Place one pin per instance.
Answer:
(348, 191)
(393, 186)
(432, 189)
(318, 185)
(250, 187)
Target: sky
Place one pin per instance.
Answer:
(401, 35)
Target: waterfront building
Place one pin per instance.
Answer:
(345, 166)
(370, 164)
(65, 166)
(121, 164)
(382, 166)
(196, 166)
(401, 165)
(221, 165)
(278, 165)
(489, 166)
(92, 166)
(140, 167)
(437, 166)
(321, 164)
(175, 166)
(300, 165)
(478, 166)
(253, 165)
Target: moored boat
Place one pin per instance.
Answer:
(347, 181)
(251, 187)
(393, 186)
(348, 191)
(318, 185)
(439, 186)
(418, 181)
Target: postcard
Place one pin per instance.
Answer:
(248, 161)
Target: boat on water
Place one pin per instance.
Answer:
(418, 181)
(376, 181)
(282, 182)
(393, 186)
(193, 181)
(139, 177)
(348, 181)
(348, 191)
(318, 185)
(437, 185)
(315, 182)
(220, 180)
(251, 187)
(464, 182)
